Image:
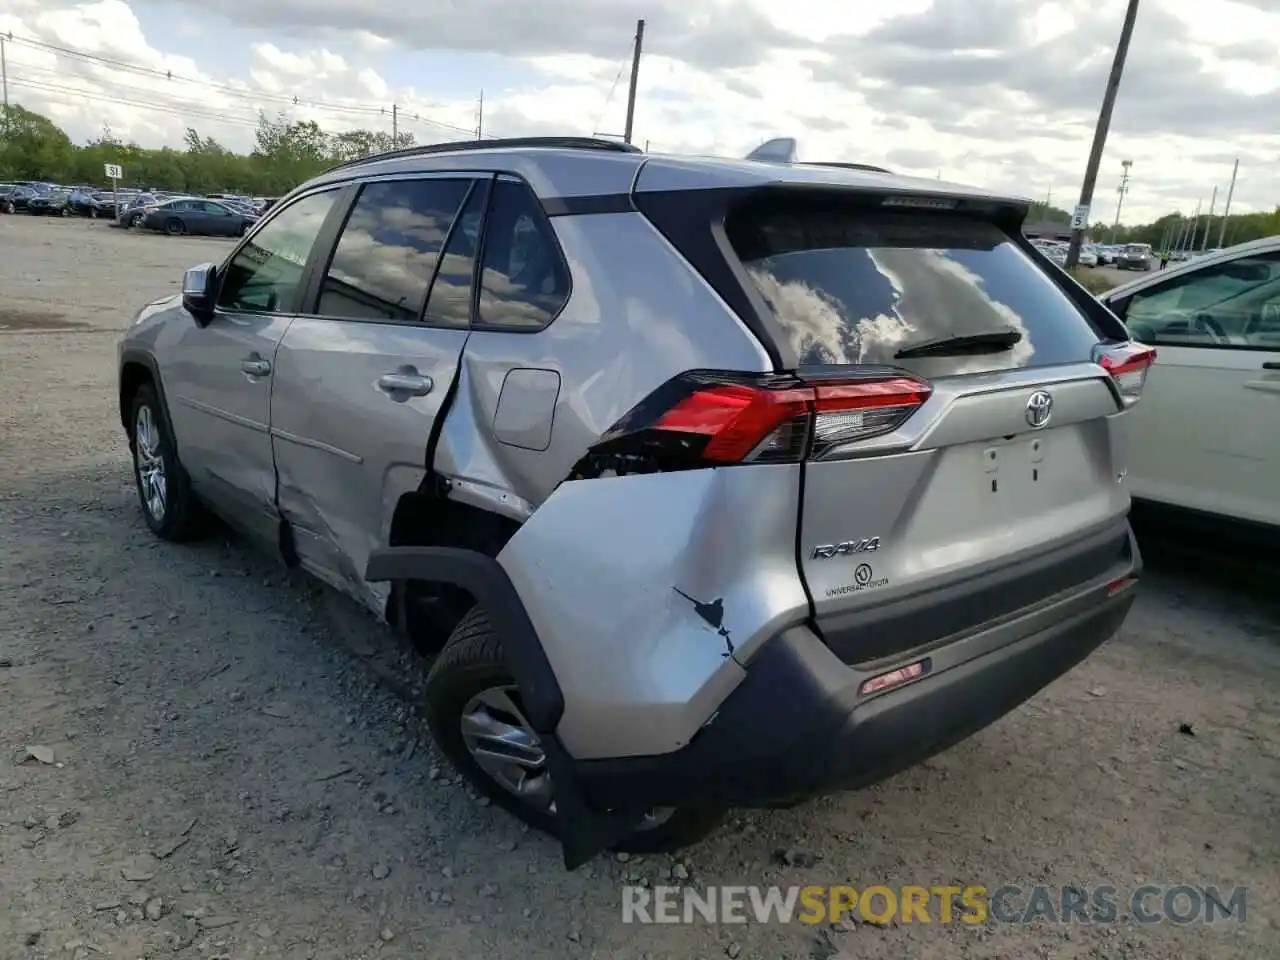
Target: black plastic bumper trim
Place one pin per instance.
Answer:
(865, 636)
(791, 730)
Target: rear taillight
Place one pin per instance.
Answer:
(1128, 364)
(705, 418)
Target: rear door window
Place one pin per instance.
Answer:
(850, 285)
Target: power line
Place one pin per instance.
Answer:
(121, 101)
(230, 90)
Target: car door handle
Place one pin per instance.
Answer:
(414, 384)
(256, 366)
(1271, 365)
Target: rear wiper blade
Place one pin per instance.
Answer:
(961, 344)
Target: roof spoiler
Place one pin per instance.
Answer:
(777, 150)
(783, 150)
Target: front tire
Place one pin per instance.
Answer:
(476, 717)
(175, 227)
(169, 507)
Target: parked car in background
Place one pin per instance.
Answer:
(1205, 441)
(1087, 257)
(195, 215)
(131, 213)
(18, 197)
(1135, 256)
(686, 530)
(55, 203)
(80, 202)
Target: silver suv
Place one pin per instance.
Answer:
(711, 483)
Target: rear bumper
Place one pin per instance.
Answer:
(798, 726)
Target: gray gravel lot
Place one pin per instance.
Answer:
(238, 770)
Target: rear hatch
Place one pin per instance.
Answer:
(981, 478)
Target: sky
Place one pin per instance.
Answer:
(998, 93)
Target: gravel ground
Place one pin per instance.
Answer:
(238, 770)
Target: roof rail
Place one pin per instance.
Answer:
(498, 143)
(848, 166)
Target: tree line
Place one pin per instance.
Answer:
(1240, 227)
(285, 153)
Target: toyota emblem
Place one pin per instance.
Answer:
(1039, 408)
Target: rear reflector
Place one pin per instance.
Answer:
(1120, 586)
(1128, 364)
(710, 418)
(894, 678)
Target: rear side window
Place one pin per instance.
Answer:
(449, 304)
(850, 285)
(387, 253)
(524, 281)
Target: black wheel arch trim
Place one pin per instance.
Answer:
(585, 831)
(142, 358)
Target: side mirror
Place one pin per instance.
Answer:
(199, 291)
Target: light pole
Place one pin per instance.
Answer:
(1080, 219)
(1121, 190)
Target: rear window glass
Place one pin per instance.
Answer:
(858, 286)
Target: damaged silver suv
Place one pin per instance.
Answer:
(708, 483)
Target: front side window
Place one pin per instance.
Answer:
(265, 274)
(1233, 304)
(850, 285)
(386, 256)
(524, 282)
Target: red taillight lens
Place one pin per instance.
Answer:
(1128, 364)
(705, 418)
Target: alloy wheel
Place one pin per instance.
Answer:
(503, 744)
(152, 481)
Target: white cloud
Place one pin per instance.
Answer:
(886, 87)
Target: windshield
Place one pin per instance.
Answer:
(1138, 248)
(857, 286)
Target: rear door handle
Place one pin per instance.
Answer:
(1271, 365)
(413, 384)
(256, 366)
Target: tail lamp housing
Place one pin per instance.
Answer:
(1128, 364)
(710, 418)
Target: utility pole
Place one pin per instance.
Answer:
(4, 73)
(480, 118)
(635, 78)
(1121, 190)
(1100, 137)
(1195, 227)
(395, 126)
(1226, 212)
(1208, 221)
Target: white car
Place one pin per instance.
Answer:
(1087, 257)
(1206, 437)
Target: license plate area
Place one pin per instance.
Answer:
(1020, 475)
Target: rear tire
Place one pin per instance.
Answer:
(472, 664)
(169, 506)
